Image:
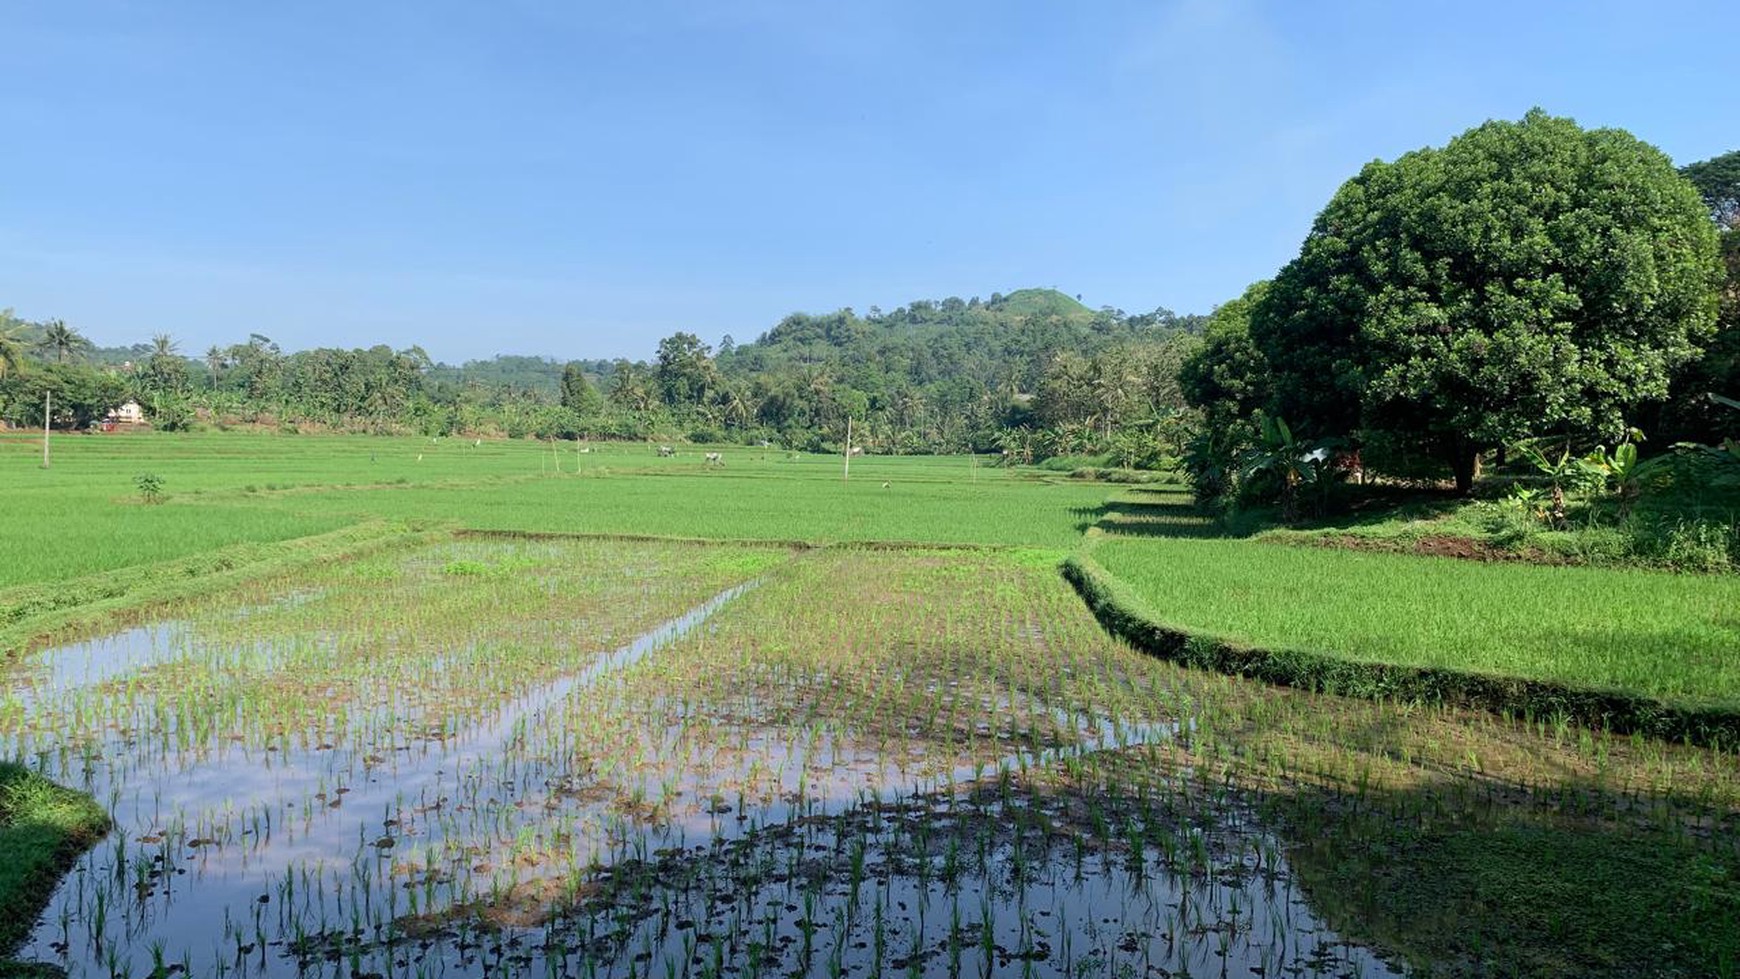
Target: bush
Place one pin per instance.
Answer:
(1690, 544)
(169, 413)
(150, 487)
(1064, 464)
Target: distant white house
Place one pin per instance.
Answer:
(128, 414)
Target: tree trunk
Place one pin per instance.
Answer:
(1464, 462)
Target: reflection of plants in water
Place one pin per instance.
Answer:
(912, 761)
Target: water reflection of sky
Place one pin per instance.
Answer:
(208, 833)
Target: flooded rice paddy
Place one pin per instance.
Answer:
(636, 759)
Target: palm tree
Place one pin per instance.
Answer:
(61, 340)
(163, 345)
(11, 343)
(11, 350)
(737, 406)
(215, 362)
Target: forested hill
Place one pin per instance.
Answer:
(1003, 343)
(928, 376)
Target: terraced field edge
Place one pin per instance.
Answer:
(1127, 617)
(37, 614)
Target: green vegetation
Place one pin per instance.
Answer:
(1527, 293)
(1528, 279)
(221, 489)
(929, 377)
(692, 702)
(872, 736)
(36, 613)
(43, 828)
(1658, 636)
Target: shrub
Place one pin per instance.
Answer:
(150, 487)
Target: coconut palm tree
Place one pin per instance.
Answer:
(61, 340)
(11, 344)
(163, 345)
(215, 362)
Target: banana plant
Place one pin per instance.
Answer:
(1621, 470)
(1567, 472)
(1293, 462)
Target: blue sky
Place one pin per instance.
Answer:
(580, 179)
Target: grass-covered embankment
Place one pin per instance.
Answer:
(31, 615)
(43, 827)
(1628, 651)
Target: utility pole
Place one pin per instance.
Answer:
(47, 404)
(848, 474)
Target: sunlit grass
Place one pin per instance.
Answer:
(84, 515)
(1661, 635)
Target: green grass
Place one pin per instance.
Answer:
(84, 515)
(1664, 636)
(42, 828)
(33, 614)
(1522, 893)
(1468, 843)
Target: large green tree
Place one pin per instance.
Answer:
(1530, 277)
(81, 395)
(684, 370)
(1227, 377)
(577, 393)
(164, 371)
(1718, 182)
(1689, 413)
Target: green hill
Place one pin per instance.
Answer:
(1040, 302)
(964, 345)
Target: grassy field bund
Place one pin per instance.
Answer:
(674, 719)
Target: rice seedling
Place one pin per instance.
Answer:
(524, 756)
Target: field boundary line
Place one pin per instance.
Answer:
(793, 544)
(1127, 617)
(34, 615)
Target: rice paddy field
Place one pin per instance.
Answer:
(1658, 634)
(459, 716)
(83, 515)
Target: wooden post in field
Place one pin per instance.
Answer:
(848, 472)
(47, 403)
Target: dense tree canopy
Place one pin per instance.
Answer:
(1530, 277)
(1689, 413)
(1227, 377)
(578, 394)
(1718, 182)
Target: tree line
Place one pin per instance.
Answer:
(946, 375)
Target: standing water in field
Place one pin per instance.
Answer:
(347, 794)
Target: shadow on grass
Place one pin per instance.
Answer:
(43, 829)
(1463, 877)
(1168, 511)
(1156, 513)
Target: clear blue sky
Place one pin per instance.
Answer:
(580, 179)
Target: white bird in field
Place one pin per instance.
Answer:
(885, 485)
(419, 457)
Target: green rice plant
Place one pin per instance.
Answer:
(1651, 635)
